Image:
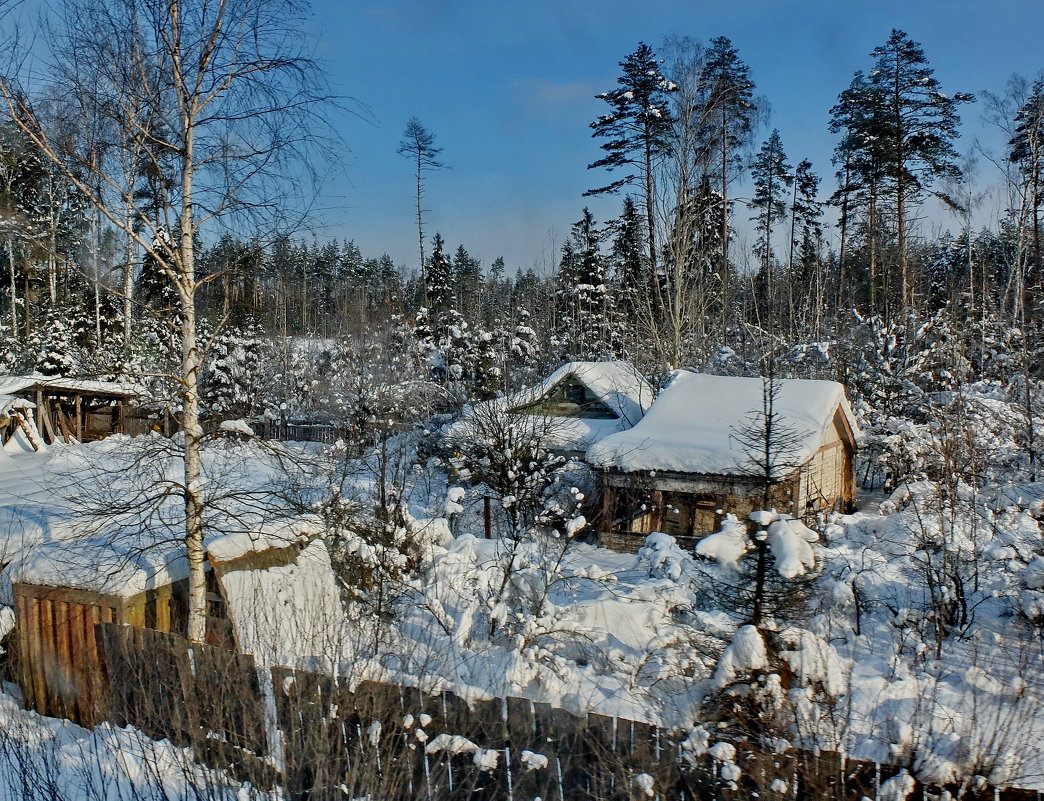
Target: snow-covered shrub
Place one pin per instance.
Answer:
(235, 382)
(509, 455)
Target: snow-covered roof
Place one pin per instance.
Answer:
(617, 384)
(691, 428)
(66, 518)
(125, 566)
(289, 614)
(8, 402)
(13, 384)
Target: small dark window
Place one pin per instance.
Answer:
(570, 399)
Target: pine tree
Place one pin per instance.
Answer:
(418, 145)
(806, 233)
(495, 300)
(1026, 150)
(729, 115)
(859, 116)
(772, 176)
(913, 129)
(637, 128)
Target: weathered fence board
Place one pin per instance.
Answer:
(372, 740)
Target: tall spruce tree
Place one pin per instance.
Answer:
(628, 259)
(586, 329)
(637, 129)
(438, 278)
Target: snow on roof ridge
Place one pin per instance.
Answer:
(16, 383)
(616, 382)
(691, 426)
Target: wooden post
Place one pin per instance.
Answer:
(487, 517)
(39, 411)
(658, 511)
(605, 521)
(78, 423)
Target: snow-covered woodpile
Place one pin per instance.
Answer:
(703, 449)
(18, 429)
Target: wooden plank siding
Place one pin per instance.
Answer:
(59, 663)
(57, 655)
(689, 506)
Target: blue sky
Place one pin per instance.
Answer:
(508, 89)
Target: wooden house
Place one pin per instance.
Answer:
(574, 407)
(694, 457)
(63, 590)
(71, 409)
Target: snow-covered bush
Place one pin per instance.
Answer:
(510, 456)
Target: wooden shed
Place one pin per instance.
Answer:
(59, 667)
(72, 409)
(688, 462)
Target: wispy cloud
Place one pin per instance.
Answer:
(544, 96)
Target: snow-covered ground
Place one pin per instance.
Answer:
(915, 638)
(44, 759)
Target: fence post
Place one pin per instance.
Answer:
(507, 767)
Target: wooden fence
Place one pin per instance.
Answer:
(297, 432)
(327, 740)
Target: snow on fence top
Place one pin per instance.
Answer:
(13, 384)
(692, 425)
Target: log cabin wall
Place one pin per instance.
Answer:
(690, 506)
(827, 481)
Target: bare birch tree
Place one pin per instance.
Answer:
(215, 94)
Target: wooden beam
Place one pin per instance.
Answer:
(605, 522)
